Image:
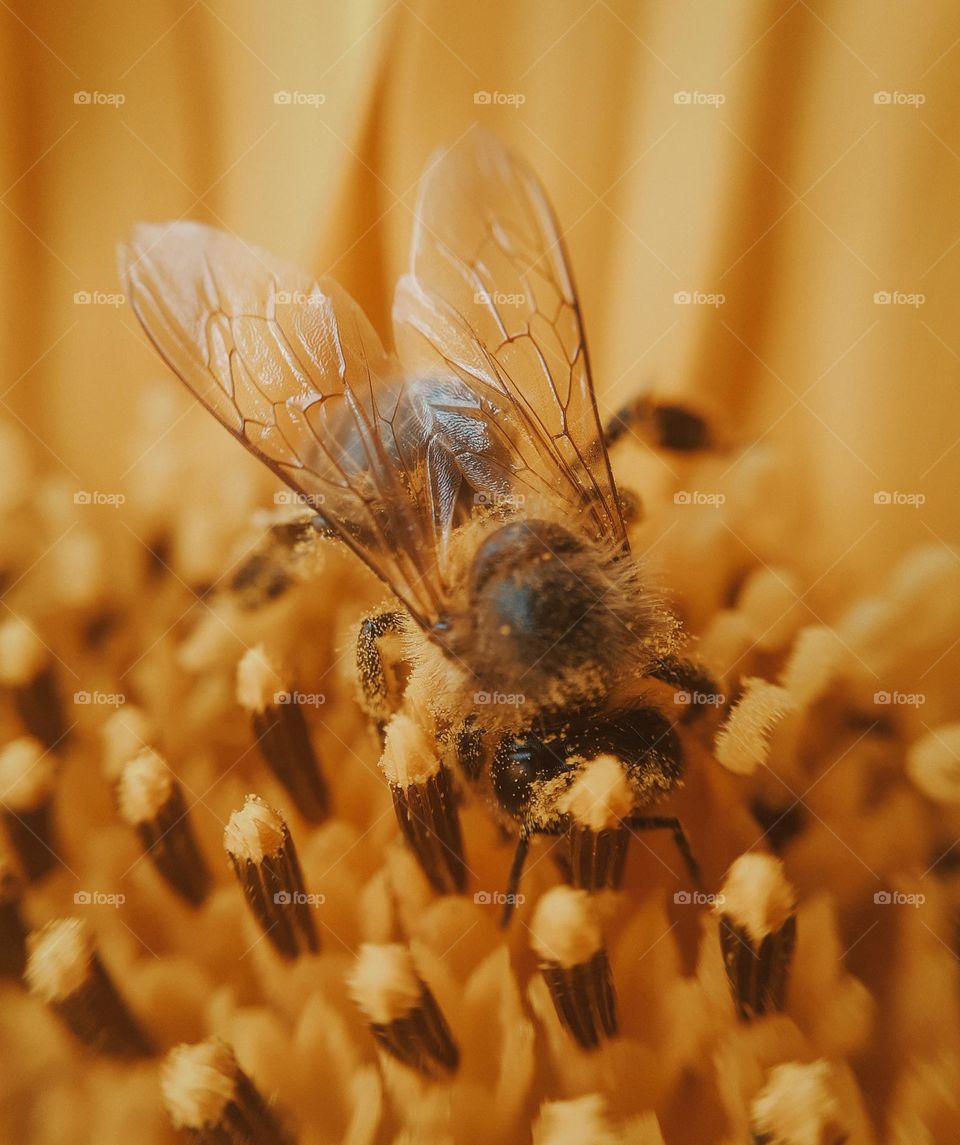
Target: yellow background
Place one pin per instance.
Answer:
(797, 198)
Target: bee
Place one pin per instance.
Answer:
(468, 470)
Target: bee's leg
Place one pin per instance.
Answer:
(695, 690)
(521, 762)
(669, 823)
(380, 694)
(516, 867)
(665, 425)
(513, 879)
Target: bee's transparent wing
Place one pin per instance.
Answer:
(295, 371)
(489, 296)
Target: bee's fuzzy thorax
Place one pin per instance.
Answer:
(544, 615)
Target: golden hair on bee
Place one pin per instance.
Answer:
(541, 610)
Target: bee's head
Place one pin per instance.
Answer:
(546, 614)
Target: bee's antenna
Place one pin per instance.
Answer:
(151, 800)
(65, 971)
(403, 1014)
(282, 733)
(207, 1093)
(513, 879)
(261, 849)
(673, 824)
